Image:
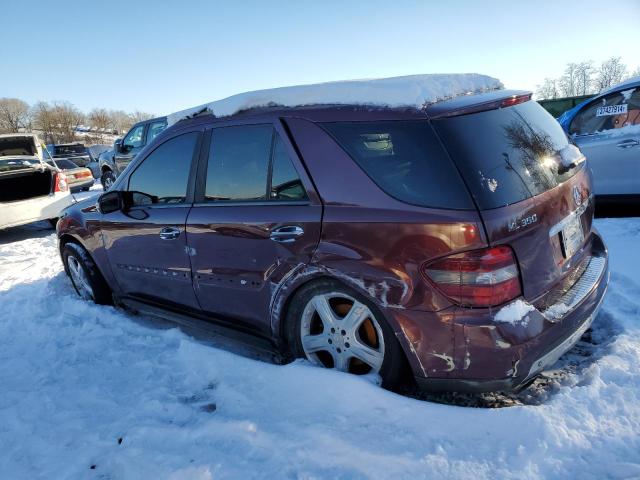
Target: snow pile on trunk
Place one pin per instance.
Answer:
(515, 313)
(414, 91)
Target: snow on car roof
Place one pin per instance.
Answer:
(414, 91)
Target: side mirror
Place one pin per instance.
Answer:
(117, 145)
(110, 202)
(113, 201)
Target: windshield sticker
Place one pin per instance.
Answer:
(611, 110)
(626, 94)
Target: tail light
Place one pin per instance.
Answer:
(60, 182)
(83, 174)
(479, 278)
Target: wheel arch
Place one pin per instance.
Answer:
(311, 275)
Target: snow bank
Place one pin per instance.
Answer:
(410, 91)
(515, 313)
(87, 386)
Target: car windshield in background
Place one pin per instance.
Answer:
(406, 160)
(507, 155)
(70, 150)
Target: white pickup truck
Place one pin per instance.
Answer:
(30, 189)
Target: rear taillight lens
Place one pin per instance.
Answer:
(60, 181)
(83, 174)
(479, 278)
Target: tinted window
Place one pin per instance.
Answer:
(63, 164)
(616, 110)
(155, 129)
(238, 163)
(165, 172)
(285, 182)
(69, 150)
(405, 159)
(134, 137)
(507, 155)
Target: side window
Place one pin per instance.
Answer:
(615, 110)
(285, 182)
(165, 172)
(238, 163)
(134, 137)
(154, 130)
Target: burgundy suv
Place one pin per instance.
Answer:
(453, 242)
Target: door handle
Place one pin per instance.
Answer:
(286, 234)
(169, 233)
(628, 144)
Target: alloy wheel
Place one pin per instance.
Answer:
(337, 331)
(79, 278)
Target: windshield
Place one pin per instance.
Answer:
(509, 154)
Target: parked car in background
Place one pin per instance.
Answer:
(453, 242)
(76, 152)
(78, 178)
(607, 130)
(94, 152)
(113, 162)
(30, 189)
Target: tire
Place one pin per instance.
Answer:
(85, 277)
(342, 347)
(53, 222)
(107, 179)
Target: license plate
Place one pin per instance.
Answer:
(572, 236)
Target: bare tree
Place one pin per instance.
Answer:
(583, 74)
(568, 80)
(548, 89)
(138, 116)
(100, 118)
(611, 71)
(14, 115)
(120, 120)
(635, 73)
(57, 120)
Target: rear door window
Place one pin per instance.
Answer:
(238, 163)
(405, 159)
(509, 154)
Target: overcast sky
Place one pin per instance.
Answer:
(161, 57)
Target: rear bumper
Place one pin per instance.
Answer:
(465, 350)
(22, 212)
(77, 186)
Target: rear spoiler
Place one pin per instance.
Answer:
(465, 105)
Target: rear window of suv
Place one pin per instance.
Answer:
(405, 159)
(507, 155)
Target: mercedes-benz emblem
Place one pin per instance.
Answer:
(577, 196)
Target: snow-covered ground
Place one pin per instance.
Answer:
(91, 392)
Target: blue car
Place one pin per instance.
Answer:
(607, 130)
